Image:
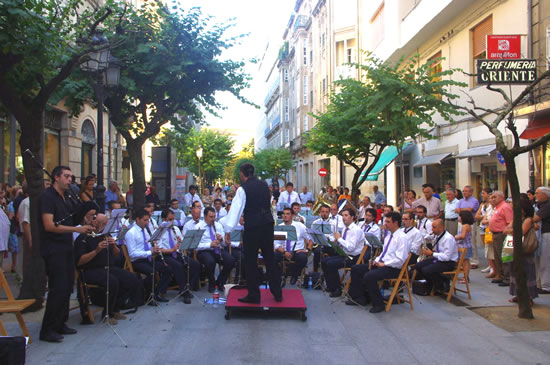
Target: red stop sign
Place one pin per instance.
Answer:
(323, 172)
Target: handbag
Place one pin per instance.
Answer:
(508, 249)
(530, 242)
(488, 240)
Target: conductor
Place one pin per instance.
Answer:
(253, 199)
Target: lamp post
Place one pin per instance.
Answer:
(199, 156)
(104, 70)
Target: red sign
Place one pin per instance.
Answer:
(503, 47)
(323, 172)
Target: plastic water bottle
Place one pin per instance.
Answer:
(310, 284)
(216, 297)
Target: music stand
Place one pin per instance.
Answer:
(282, 205)
(288, 231)
(236, 235)
(114, 221)
(190, 242)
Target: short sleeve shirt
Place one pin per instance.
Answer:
(544, 214)
(53, 203)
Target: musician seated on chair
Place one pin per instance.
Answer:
(318, 251)
(91, 258)
(220, 211)
(210, 250)
(142, 255)
(193, 223)
(352, 242)
(153, 224)
(175, 207)
(335, 218)
(169, 244)
(290, 250)
(442, 257)
(369, 225)
(237, 251)
(423, 224)
(296, 207)
(414, 236)
(386, 266)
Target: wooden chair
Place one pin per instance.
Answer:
(454, 276)
(360, 260)
(403, 278)
(81, 284)
(127, 262)
(11, 305)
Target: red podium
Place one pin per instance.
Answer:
(293, 301)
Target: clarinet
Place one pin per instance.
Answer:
(153, 243)
(178, 239)
(215, 232)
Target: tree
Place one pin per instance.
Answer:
(246, 154)
(42, 42)
(388, 104)
(172, 68)
(495, 120)
(273, 163)
(216, 151)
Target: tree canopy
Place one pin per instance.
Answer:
(273, 163)
(387, 105)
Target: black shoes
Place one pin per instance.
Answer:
(67, 331)
(251, 300)
(160, 299)
(377, 309)
(504, 284)
(51, 337)
(361, 302)
(293, 280)
(335, 294)
(496, 281)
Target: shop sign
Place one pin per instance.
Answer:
(514, 72)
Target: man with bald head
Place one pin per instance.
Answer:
(444, 255)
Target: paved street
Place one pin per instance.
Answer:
(436, 332)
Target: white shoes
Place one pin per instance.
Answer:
(487, 269)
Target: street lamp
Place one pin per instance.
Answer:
(104, 70)
(199, 156)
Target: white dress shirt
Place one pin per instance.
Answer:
(445, 248)
(189, 199)
(164, 241)
(355, 240)
(396, 250)
(294, 198)
(424, 226)
(220, 213)
(231, 220)
(205, 242)
(178, 222)
(135, 245)
(450, 209)
(415, 239)
(302, 235)
(371, 229)
(191, 225)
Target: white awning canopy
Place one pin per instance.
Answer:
(477, 151)
(431, 160)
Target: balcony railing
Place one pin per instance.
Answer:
(272, 90)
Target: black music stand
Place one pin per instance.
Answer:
(190, 242)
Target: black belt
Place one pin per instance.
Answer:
(452, 219)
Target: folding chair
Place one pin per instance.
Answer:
(82, 289)
(13, 306)
(454, 276)
(402, 278)
(360, 260)
(127, 262)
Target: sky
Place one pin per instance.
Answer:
(265, 22)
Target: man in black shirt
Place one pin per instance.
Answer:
(56, 228)
(93, 255)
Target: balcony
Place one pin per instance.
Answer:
(302, 21)
(273, 126)
(273, 93)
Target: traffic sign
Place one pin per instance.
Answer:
(323, 172)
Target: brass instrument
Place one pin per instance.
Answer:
(319, 202)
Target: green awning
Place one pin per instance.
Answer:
(387, 157)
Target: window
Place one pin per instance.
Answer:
(311, 97)
(479, 41)
(377, 27)
(287, 132)
(311, 57)
(286, 110)
(350, 55)
(297, 128)
(305, 123)
(305, 52)
(285, 75)
(324, 87)
(305, 90)
(323, 40)
(436, 68)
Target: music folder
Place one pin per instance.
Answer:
(288, 231)
(325, 228)
(160, 231)
(318, 237)
(116, 217)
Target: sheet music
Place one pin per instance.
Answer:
(116, 216)
(160, 231)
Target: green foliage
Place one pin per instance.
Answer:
(273, 163)
(216, 151)
(246, 154)
(389, 104)
(235, 167)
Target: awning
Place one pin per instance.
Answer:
(386, 158)
(431, 160)
(536, 128)
(477, 151)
